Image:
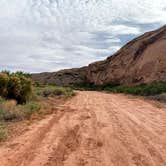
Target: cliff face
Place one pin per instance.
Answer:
(142, 60)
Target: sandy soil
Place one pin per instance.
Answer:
(93, 129)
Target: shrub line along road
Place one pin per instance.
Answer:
(93, 129)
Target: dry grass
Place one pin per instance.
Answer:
(3, 132)
(11, 112)
(50, 90)
(45, 101)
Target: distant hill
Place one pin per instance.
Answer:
(142, 60)
(63, 77)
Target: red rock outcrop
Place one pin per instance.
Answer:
(142, 60)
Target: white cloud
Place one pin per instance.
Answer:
(47, 35)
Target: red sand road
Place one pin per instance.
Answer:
(93, 129)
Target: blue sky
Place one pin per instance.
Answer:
(48, 35)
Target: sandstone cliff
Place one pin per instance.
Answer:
(142, 60)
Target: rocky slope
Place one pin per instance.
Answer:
(142, 60)
(63, 77)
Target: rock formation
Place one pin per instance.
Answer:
(142, 60)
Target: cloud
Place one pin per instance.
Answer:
(48, 35)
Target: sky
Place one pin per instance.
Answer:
(49, 35)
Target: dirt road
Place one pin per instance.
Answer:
(93, 129)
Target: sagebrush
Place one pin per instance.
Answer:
(50, 90)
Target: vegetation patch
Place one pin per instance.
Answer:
(8, 111)
(3, 132)
(16, 86)
(50, 90)
(92, 87)
(11, 112)
(156, 90)
(160, 97)
(30, 108)
(20, 98)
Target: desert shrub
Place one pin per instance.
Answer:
(26, 89)
(47, 93)
(50, 90)
(161, 97)
(53, 92)
(6, 72)
(59, 92)
(1, 99)
(153, 88)
(4, 80)
(69, 92)
(11, 116)
(15, 86)
(92, 87)
(30, 108)
(3, 132)
(1, 112)
(149, 89)
(37, 84)
(21, 73)
(9, 111)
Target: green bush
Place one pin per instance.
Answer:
(15, 86)
(26, 89)
(92, 87)
(4, 80)
(149, 89)
(153, 88)
(21, 73)
(69, 92)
